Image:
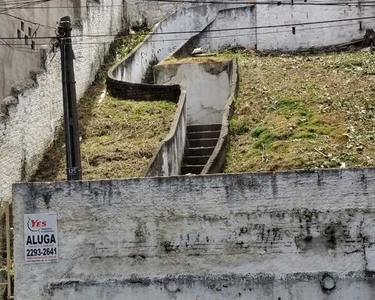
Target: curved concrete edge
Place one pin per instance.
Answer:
(131, 53)
(141, 91)
(216, 161)
(168, 159)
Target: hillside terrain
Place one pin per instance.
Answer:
(118, 137)
(303, 112)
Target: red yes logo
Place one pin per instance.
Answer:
(37, 224)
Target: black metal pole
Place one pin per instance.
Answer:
(73, 153)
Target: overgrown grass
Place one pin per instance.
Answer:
(118, 140)
(303, 112)
(118, 137)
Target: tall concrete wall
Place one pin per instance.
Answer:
(20, 57)
(311, 35)
(207, 85)
(290, 235)
(28, 126)
(150, 12)
(221, 32)
(271, 27)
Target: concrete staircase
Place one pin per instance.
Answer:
(201, 142)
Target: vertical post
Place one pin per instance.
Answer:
(7, 228)
(73, 153)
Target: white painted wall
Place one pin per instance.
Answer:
(234, 236)
(309, 36)
(150, 12)
(220, 34)
(207, 86)
(33, 117)
(258, 29)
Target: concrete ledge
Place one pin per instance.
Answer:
(216, 161)
(168, 159)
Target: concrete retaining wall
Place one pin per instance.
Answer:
(207, 84)
(289, 235)
(219, 34)
(216, 161)
(150, 12)
(269, 27)
(310, 35)
(29, 118)
(168, 159)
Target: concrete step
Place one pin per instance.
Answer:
(203, 134)
(186, 169)
(202, 142)
(205, 127)
(198, 151)
(195, 160)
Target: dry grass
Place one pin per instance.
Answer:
(118, 139)
(303, 112)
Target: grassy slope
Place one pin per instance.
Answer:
(118, 137)
(303, 112)
(118, 140)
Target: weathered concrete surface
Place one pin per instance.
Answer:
(310, 35)
(17, 60)
(216, 162)
(269, 27)
(222, 33)
(168, 159)
(151, 12)
(207, 84)
(166, 36)
(289, 235)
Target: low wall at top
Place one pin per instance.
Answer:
(207, 85)
(289, 235)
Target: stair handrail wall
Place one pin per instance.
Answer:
(168, 159)
(217, 159)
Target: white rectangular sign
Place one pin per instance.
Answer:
(40, 237)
